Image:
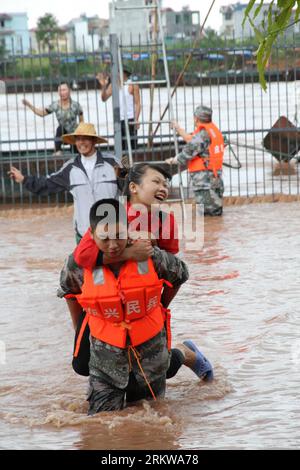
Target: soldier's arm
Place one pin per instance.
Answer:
(198, 146)
(169, 267)
(172, 269)
(71, 280)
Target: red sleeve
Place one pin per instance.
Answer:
(169, 243)
(86, 253)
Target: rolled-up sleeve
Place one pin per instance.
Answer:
(170, 267)
(71, 278)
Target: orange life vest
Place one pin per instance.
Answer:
(214, 161)
(129, 304)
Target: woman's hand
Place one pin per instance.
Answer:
(15, 175)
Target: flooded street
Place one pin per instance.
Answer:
(241, 306)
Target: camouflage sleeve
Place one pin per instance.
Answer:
(197, 146)
(71, 278)
(170, 267)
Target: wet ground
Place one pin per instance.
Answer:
(241, 305)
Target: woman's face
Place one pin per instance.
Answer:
(64, 92)
(153, 189)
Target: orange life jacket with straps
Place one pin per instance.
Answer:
(214, 161)
(127, 305)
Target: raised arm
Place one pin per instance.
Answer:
(42, 185)
(37, 111)
(105, 86)
(187, 137)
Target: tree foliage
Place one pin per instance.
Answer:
(278, 19)
(47, 30)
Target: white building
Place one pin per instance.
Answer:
(87, 34)
(14, 33)
(131, 26)
(232, 21)
(184, 24)
(138, 26)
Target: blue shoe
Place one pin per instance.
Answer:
(202, 368)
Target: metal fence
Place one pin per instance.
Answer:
(224, 78)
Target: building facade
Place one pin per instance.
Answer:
(232, 21)
(14, 33)
(86, 34)
(184, 24)
(131, 26)
(138, 26)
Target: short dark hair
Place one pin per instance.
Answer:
(64, 83)
(127, 71)
(109, 211)
(136, 173)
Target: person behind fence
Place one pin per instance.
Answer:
(203, 155)
(67, 112)
(132, 105)
(127, 314)
(88, 176)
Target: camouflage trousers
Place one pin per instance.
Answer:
(115, 376)
(208, 191)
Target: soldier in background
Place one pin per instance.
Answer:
(203, 155)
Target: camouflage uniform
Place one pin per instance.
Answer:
(112, 374)
(207, 188)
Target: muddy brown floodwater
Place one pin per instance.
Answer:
(241, 305)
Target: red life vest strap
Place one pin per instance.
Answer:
(78, 342)
(169, 284)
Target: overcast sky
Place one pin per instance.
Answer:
(65, 10)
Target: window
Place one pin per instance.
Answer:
(187, 18)
(2, 23)
(228, 15)
(178, 19)
(195, 18)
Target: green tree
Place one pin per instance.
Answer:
(47, 30)
(279, 17)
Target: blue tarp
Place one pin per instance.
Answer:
(244, 52)
(72, 59)
(214, 57)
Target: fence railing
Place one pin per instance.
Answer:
(224, 78)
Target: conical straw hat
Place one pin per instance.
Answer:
(85, 130)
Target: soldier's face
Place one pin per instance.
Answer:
(197, 122)
(111, 239)
(153, 189)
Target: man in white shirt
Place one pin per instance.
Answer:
(89, 176)
(130, 102)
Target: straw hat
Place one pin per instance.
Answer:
(84, 130)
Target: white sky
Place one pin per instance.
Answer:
(65, 10)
